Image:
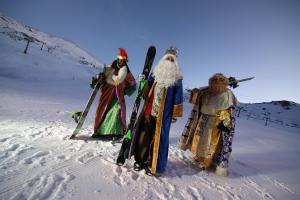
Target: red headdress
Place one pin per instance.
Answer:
(122, 54)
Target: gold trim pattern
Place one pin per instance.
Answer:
(158, 132)
(177, 110)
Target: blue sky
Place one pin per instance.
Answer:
(258, 38)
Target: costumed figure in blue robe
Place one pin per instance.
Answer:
(163, 104)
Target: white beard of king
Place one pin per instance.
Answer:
(167, 72)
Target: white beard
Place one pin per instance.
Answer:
(167, 73)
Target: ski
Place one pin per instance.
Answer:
(80, 117)
(234, 83)
(124, 151)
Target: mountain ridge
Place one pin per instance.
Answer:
(21, 32)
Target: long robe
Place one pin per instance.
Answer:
(210, 129)
(170, 106)
(110, 118)
(186, 139)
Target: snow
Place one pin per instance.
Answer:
(38, 161)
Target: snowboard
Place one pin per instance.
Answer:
(125, 147)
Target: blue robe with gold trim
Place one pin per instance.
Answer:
(170, 106)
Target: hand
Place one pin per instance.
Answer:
(141, 77)
(195, 90)
(173, 120)
(116, 82)
(233, 82)
(102, 76)
(94, 81)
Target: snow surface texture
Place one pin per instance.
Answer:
(38, 161)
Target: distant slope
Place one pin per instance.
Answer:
(23, 33)
(52, 66)
(275, 113)
(279, 114)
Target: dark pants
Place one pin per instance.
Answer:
(144, 144)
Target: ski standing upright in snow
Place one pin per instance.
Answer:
(80, 117)
(124, 151)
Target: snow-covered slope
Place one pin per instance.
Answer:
(60, 67)
(278, 114)
(38, 161)
(55, 45)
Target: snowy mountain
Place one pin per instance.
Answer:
(24, 33)
(51, 65)
(278, 114)
(38, 161)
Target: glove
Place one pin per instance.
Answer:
(222, 127)
(173, 120)
(95, 79)
(76, 116)
(194, 90)
(141, 77)
(233, 82)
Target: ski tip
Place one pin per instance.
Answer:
(72, 137)
(152, 49)
(120, 163)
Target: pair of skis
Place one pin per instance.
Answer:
(125, 147)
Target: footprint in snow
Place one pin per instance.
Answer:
(40, 157)
(62, 158)
(194, 193)
(85, 157)
(118, 176)
(4, 139)
(46, 187)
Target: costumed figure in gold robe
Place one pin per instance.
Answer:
(210, 128)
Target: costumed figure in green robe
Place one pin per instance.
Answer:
(110, 119)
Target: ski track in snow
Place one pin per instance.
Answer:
(257, 188)
(50, 171)
(85, 157)
(223, 190)
(279, 185)
(22, 151)
(44, 187)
